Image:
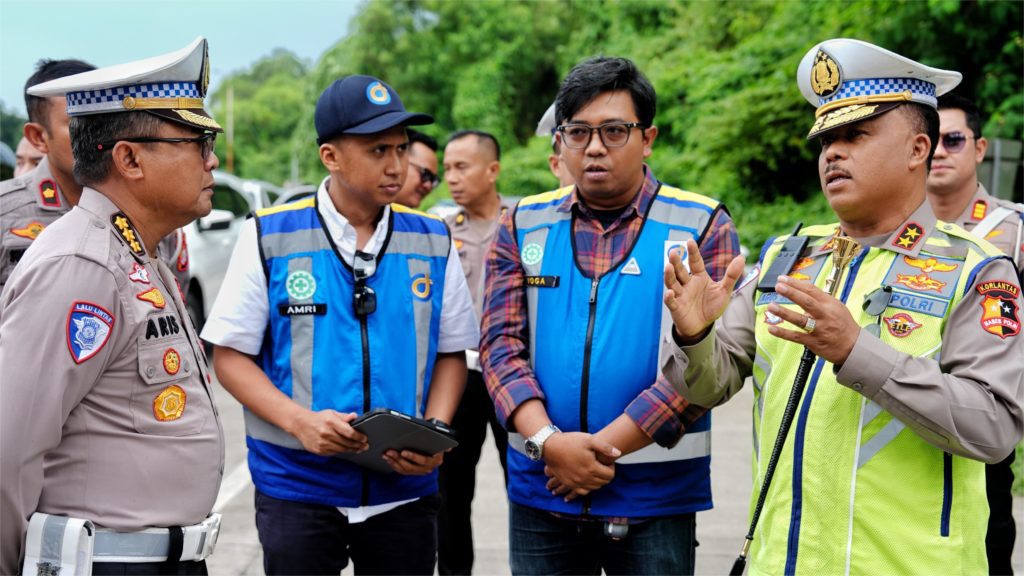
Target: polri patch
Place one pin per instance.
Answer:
(541, 281)
(48, 195)
(88, 329)
(302, 309)
(30, 231)
(917, 303)
(999, 303)
(925, 274)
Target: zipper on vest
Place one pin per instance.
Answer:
(585, 377)
(364, 330)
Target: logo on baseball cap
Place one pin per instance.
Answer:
(361, 105)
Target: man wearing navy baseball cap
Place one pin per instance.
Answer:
(339, 304)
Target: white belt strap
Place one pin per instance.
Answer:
(692, 445)
(153, 544)
(58, 545)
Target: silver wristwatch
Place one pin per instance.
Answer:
(535, 443)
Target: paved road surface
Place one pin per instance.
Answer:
(720, 531)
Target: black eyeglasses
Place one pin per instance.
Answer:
(426, 176)
(206, 142)
(612, 134)
(874, 304)
(364, 299)
(954, 142)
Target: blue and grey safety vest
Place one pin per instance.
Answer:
(594, 346)
(322, 356)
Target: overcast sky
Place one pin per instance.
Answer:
(107, 32)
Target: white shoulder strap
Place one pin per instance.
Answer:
(990, 222)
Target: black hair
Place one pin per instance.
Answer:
(416, 136)
(924, 120)
(47, 70)
(970, 110)
(92, 166)
(482, 137)
(592, 77)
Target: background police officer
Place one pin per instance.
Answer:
(113, 421)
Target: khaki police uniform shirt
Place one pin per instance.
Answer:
(473, 239)
(107, 410)
(949, 403)
(33, 201)
(1008, 235)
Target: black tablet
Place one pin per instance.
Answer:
(389, 429)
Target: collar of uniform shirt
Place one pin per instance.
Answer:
(638, 205)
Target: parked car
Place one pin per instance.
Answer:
(211, 240)
(296, 193)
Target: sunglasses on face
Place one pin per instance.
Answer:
(427, 178)
(954, 142)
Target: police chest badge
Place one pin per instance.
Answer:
(88, 329)
(169, 404)
(1000, 316)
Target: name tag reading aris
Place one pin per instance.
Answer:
(302, 309)
(542, 281)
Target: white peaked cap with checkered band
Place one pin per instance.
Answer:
(850, 80)
(171, 86)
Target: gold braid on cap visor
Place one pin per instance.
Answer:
(906, 96)
(131, 103)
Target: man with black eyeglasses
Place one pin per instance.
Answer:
(472, 163)
(958, 197)
(331, 307)
(111, 448)
(422, 177)
(607, 464)
(883, 349)
(32, 201)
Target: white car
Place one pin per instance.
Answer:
(211, 239)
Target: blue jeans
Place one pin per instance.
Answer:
(303, 538)
(541, 543)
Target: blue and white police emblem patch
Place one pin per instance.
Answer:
(88, 329)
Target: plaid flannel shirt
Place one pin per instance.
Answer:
(504, 348)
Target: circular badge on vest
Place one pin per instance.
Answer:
(378, 94)
(300, 285)
(421, 286)
(532, 254)
(169, 404)
(172, 361)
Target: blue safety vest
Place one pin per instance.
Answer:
(594, 346)
(322, 356)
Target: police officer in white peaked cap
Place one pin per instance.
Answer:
(882, 471)
(111, 449)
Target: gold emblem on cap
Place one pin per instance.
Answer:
(825, 76)
(169, 404)
(204, 80)
(198, 119)
(128, 103)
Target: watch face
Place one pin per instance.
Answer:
(532, 450)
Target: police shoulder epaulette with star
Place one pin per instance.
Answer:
(48, 195)
(126, 231)
(909, 236)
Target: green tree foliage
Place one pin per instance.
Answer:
(10, 126)
(732, 122)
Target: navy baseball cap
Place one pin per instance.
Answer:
(361, 105)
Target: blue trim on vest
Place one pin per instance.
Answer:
(947, 493)
(793, 545)
(982, 264)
